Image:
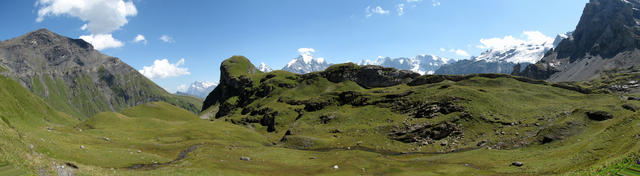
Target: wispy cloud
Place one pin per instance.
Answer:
(459, 52)
(435, 3)
(167, 39)
(375, 10)
(400, 9)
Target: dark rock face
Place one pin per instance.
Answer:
(370, 76)
(606, 37)
(425, 132)
(75, 78)
(599, 115)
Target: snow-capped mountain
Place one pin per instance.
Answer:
(306, 63)
(502, 60)
(199, 89)
(423, 64)
(264, 68)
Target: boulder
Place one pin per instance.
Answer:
(599, 115)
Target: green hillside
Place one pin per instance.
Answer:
(280, 123)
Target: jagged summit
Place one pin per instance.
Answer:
(44, 36)
(607, 37)
(306, 63)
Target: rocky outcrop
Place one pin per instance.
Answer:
(606, 37)
(234, 82)
(369, 76)
(75, 78)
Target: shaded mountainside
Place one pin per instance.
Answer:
(607, 37)
(74, 78)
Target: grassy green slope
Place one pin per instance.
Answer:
(25, 119)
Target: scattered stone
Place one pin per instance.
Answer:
(630, 107)
(31, 146)
(139, 151)
(482, 143)
(502, 133)
(82, 147)
(444, 143)
(245, 158)
(359, 142)
(335, 167)
(537, 124)
(599, 115)
(71, 165)
(517, 163)
(106, 139)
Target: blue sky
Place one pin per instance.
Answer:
(206, 32)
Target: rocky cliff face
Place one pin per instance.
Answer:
(73, 77)
(607, 37)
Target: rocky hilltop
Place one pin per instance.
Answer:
(606, 37)
(74, 77)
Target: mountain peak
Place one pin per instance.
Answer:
(306, 63)
(45, 37)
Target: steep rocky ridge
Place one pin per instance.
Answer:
(77, 79)
(607, 37)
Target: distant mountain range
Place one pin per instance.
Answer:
(199, 89)
(493, 60)
(423, 64)
(306, 63)
(502, 60)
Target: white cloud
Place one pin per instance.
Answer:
(167, 39)
(102, 16)
(400, 9)
(140, 38)
(413, 1)
(377, 10)
(533, 37)
(458, 52)
(182, 88)
(164, 69)
(435, 3)
(461, 52)
(306, 53)
(102, 41)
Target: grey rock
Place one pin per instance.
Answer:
(517, 163)
(245, 158)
